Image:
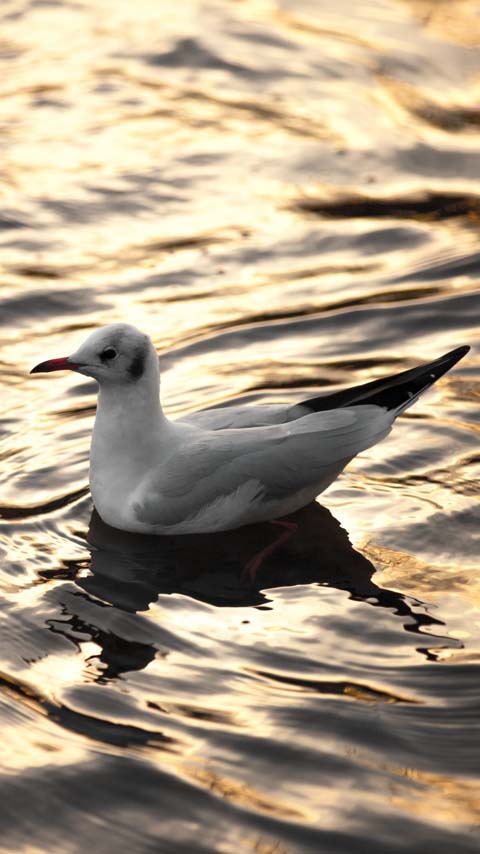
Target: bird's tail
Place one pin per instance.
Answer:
(395, 393)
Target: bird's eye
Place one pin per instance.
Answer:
(108, 354)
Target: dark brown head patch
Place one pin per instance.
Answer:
(136, 367)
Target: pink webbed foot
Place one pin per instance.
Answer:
(253, 565)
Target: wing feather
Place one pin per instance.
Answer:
(263, 463)
(232, 417)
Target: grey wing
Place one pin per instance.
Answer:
(234, 417)
(221, 472)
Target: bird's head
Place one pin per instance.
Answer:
(114, 355)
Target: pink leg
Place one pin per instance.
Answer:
(251, 568)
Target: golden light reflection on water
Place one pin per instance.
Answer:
(452, 801)
(407, 572)
(447, 800)
(20, 753)
(458, 24)
(246, 796)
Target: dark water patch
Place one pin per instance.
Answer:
(28, 695)
(82, 212)
(449, 119)
(187, 297)
(180, 278)
(108, 732)
(124, 201)
(8, 223)
(314, 128)
(190, 53)
(85, 326)
(466, 265)
(117, 655)
(386, 297)
(74, 412)
(317, 272)
(68, 570)
(101, 795)
(126, 641)
(176, 244)
(30, 245)
(264, 37)
(195, 713)
(39, 272)
(11, 512)
(350, 690)
(453, 164)
(82, 389)
(102, 730)
(8, 454)
(429, 206)
(23, 309)
(180, 243)
(395, 237)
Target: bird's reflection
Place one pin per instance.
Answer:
(130, 571)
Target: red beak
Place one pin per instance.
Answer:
(55, 365)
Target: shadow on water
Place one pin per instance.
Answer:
(432, 206)
(129, 572)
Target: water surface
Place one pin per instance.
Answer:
(285, 196)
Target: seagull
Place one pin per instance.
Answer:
(221, 468)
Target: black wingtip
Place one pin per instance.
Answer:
(444, 363)
(458, 353)
(392, 392)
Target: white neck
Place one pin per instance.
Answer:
(129, 431)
